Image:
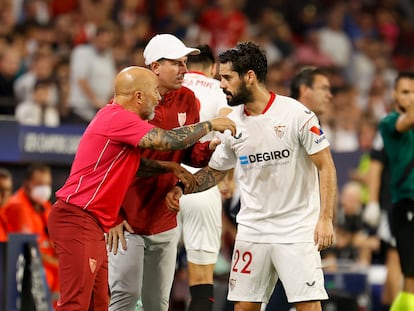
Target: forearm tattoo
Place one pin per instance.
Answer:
(207, 178)
(175, 139)
(150, 167)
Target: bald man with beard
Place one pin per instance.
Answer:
(107, 159)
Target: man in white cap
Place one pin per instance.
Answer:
(144, 264)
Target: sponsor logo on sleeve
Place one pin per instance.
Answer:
(319, 132)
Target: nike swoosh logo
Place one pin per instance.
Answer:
(310, 284)
(308, 111)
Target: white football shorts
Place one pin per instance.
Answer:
(200, 222)
(257, 266)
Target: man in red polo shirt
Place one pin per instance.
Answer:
(145, 264)
(107, 159)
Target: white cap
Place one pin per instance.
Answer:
(166, 46)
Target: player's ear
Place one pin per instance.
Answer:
(250, 76)
(213, 70)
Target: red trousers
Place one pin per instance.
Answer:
(82, 258)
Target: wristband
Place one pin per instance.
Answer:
(180, 185)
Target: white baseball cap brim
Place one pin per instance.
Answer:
(166, 46)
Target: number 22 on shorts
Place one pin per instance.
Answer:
(242, 262)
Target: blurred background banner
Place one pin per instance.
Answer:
(37, 143)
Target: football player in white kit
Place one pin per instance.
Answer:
(200, 215)
(287, 182)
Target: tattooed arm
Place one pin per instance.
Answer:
(206, 178)
(150, 167)
(184, 137)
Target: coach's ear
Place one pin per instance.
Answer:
(154, 67)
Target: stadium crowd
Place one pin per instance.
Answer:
(58, 60)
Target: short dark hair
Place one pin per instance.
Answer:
(244, 57)
(206, 56)
(36, 167)
(404, 75)
(305, 76)
(5, 173)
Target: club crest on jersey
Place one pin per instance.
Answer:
(280, 130)
(182, 117)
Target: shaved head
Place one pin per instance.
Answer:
(136, 89)
(133, 79)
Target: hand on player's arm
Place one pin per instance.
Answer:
(185, 136)
(172, 199)
(206, 178)
(185, 177)
(116, 234)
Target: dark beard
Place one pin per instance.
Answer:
(242, 96)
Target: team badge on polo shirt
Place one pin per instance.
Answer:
(280, 130)
(182, 117)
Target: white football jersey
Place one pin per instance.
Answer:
(279, 185)
(209, 94)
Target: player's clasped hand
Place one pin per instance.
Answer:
(173, 199)
(221, 124)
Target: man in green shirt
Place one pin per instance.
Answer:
(397, 130)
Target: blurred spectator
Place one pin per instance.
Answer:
(38, 110)
(359, 22)
(62, 80)
(387, 26)
(41, 68)
(343, 133)
(127, 13)
(92, 70)
(310, 52)
(175, 19)
(273, 54)
(333, 40)
(352, 241)
(10, 63)
(34, 10)
(367, 131)
(6, 188)
(274, 25)
(223, 25)
(27, 211)
(8, 17)
(279, 76)
(131, 42)
(59, 7)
